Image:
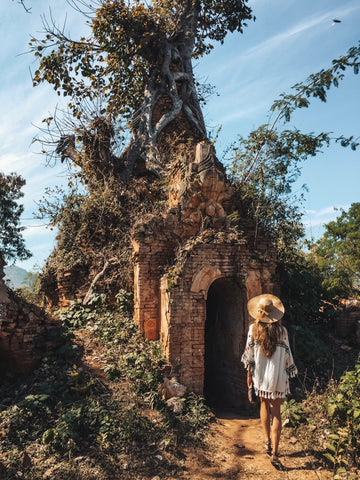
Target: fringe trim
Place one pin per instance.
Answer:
(292, 371)
(248, 364)
(271, 395)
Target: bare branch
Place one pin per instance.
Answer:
(27, 9)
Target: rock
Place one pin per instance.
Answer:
(293, 440)
(171, 388)
(176, 404)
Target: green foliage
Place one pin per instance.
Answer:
(125, 301)
(30, 289)
(337, 255)
(343, 410)
(106, 422)
(292, 413)
(77, 315)
(142, 360)
(301, 294)
(83, 228)
(64, 410)
(264, 167)
(121, 53)
(196, 412)
(12, 244)
(94, 230)
(316, 86)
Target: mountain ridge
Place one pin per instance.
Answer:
(14, 276)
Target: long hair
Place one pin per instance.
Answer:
(268, 335)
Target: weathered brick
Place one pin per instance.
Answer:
(182, 271)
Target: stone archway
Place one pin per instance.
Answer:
(224, 343)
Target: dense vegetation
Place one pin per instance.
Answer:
(136, 64)
(328, 423)
(101, 417)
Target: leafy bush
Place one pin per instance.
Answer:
(343, 409)
(64, 410)
(293, 413)
(196, 412)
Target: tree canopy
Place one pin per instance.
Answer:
(134, 73)
(138, 61)
(337, 254)
(12, 244)
(266, 164)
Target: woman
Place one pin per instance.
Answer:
(269, 363)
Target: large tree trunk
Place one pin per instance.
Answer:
(170, 95)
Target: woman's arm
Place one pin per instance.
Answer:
(289, 362)
(249, 377)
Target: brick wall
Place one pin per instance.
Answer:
(23, 331)
(193, 276)
(176, 303)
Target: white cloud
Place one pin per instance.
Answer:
(38, 229)
(316, 218)
(283, 39)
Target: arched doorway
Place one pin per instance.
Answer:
(224, 343)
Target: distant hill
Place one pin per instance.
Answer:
(14, 276)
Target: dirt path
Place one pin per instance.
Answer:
(236, 448)
(238, 454)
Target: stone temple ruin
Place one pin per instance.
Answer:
(193, 277)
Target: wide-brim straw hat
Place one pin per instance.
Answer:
(271, 305)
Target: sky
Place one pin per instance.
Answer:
(288, 41)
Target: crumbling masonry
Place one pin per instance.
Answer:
(193, 275)
(24, 331)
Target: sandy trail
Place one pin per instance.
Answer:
(238, 454)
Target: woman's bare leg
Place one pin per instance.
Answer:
(275, 406)
(265, 418)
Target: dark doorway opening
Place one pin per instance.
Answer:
(224, 343)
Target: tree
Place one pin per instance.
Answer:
(265, 165)
(263, 168)
(337, 254)
(12, 244)
(266, 191)
(138, 60)
(134, 72)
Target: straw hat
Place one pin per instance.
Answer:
(269, 304)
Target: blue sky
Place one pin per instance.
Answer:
(288, 41)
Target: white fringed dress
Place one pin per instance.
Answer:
(270, 376)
